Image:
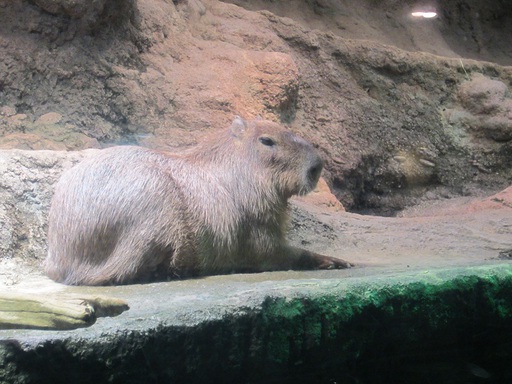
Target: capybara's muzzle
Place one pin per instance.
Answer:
(315, 170)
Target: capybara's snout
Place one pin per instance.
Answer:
(315, 169)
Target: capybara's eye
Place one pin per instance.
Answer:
(267, 141)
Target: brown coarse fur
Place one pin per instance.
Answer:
(132, 214)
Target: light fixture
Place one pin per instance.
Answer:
(424, 14)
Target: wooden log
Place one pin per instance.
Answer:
(56, 312)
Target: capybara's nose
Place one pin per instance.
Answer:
(315, 169)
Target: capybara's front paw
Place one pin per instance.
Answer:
(327, 262)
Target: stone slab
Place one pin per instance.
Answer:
(275, 327)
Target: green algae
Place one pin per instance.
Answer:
(391, 321)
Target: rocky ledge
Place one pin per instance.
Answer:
(359, 325)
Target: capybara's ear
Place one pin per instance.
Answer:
(238, 126)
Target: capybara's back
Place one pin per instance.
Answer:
(132, 214)
(104, 210)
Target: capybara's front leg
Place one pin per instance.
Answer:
(302, 259)
(327, 262)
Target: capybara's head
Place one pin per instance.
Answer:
(292, 164)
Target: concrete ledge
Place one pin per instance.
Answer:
(371, 324)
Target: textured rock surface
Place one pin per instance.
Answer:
(397, 127)
(359, 325)
(25, 194)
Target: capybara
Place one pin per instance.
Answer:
(132, 214)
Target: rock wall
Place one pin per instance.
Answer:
(396, 126)
(26, 188)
